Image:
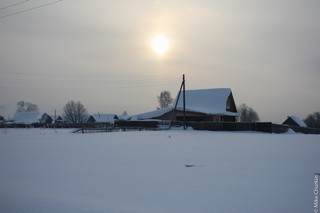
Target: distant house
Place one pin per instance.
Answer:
(45, 119)
(201, 105)
(56, 119)
(294, 121)
(1, 119)
(26, 119)
(107, 119)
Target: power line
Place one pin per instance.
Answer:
(29, 9)
(42, 82)
(86, 75)
(88, 86)
(85, 83)
(61, 79)
(81, 80)
(12, 5)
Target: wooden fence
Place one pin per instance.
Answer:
(259, 127)
(122, 125)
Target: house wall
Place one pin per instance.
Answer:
(226, 118)
(46, 119)
(231, 106)
(290, 122)
(192, 116)
(165, 117)
(91, 119)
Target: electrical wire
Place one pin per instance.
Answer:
(12, 5)
(84, 80)
(89, 87)
(86, 75)
(29, 9)
(98, 82)
(86, 87)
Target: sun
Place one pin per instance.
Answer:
(160, 44)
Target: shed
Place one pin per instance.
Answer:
(103, 118)
(294, 121)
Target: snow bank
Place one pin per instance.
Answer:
(56, 171)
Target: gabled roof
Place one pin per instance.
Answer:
(57, 117)
(27, 117)
(104, 118)
(296, 120)
(152, 114)
(207, 101)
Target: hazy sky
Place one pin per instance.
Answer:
(99, 52)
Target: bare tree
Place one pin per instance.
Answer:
(313, 120)
(23, 106)
(247, 114)
(164, 99)
(75, 112)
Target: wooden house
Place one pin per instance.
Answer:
(31, 119)
(215, 105)
(2, 119)
(56, 119)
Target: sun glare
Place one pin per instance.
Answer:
(160, 44)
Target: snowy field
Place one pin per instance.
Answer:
(46, 170)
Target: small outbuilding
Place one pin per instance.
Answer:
(107, 119)
(294, 121)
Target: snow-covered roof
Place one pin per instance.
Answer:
(27, 117)
(151, 114)
(298, 121)
(208, 101)
(55, 117)
(104, 118)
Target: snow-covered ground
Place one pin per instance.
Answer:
(47, 170)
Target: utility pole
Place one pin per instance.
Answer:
(182, 87)
(184, 102)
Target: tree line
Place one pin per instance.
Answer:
(73, 112)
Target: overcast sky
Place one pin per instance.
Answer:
(99, 52)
